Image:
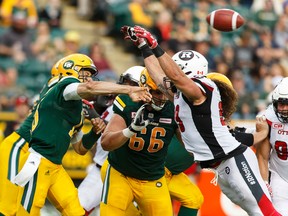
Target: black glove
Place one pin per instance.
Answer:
(88, 110)
(129, 34)
(138, 123)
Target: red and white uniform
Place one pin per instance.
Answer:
(206, 135)
(90, 189)
(278, 161)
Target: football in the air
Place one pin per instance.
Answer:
(225, 20)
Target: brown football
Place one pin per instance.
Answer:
(225, 20)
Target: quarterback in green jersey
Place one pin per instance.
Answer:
(57, 123)
(137, 154)
(12, 149)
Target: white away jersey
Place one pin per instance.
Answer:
(101, 154)
(278, 141)
(203, 128)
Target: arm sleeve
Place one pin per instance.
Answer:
(245, 138)
(70, 92)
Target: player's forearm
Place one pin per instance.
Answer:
(259, 136)
(157, 74)
(170, 68)
(113, 140)
(88, 89)
(263, 166)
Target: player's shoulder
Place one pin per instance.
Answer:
(122, 102)
(64, 81)
(270, 113)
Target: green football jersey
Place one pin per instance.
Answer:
(143, 155)
(24, 130)
(178, 159)
(55, 121)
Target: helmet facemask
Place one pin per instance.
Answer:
(158, 98)
(86, 73)
(157, 103)
(169, 85)
(282, 115)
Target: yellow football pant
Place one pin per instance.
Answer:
(183, 190)
(12, 149)
(119, 191)
(131, 210)
(52, 181)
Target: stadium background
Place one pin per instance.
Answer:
(253, 57)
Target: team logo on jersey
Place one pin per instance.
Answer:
(68, 64)
(165, 120)
(277, 125)
(227, 170)
(158, 184)
(143, 79)
(186, 55)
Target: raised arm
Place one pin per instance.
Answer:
(169, 67)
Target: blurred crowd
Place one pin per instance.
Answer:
(254, 57)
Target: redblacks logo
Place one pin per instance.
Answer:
(277, 125)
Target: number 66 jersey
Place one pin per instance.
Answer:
(143, 155)
(278, 141)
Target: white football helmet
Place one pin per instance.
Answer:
(132, 74)
(280, 95)
(192, 63)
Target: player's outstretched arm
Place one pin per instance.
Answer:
(170, 68)
(88, 89)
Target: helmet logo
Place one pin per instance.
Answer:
(186, 55)
(68, 64)
(143, 79)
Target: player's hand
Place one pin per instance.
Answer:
(143, 33)
(140, 94)
(88, 110)
(98, 124)
(261, 124)
(129, 34)
(139, 123)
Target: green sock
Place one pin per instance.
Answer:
(187, 211)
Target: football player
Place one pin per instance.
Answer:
(203, 106)
(137, 148)
(12, 150)
(272, 153)
(59, 113)
(89, 191)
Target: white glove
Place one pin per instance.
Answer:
(138, 123)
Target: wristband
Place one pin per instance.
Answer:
(146, 51)
(128, 133)
(76, 137)
(90, 139)
(158, 51)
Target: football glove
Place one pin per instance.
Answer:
(143, 33)
(88, 110)
(138, 123)
(129, 34)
